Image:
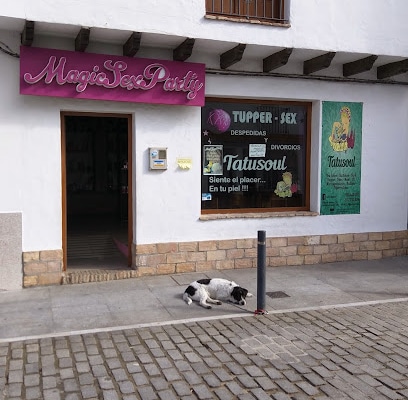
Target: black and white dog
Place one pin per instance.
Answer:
(213, 290)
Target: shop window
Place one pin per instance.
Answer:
(261, 10)
(255, 156)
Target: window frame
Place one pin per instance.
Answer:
(248, 10)
(308, 141)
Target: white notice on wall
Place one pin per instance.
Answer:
(257, 149)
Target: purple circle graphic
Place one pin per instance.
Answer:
(219, 120)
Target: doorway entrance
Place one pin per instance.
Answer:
(96, 185)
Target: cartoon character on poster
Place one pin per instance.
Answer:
(342, 137)
(285, 187)
(213, 156)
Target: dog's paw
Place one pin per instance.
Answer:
(218, 303)
(249, 295)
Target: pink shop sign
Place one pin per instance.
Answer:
(60, 73)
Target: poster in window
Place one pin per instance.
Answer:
(341, 158)
(212, 160)
(254, 154)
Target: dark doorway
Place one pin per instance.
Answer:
(96, 191)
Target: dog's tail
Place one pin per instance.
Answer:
(187, 298)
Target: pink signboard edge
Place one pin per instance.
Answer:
(69, 74)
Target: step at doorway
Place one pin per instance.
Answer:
(96, 185)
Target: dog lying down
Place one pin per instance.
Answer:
(213, 291)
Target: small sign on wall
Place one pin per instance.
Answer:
(184, 163)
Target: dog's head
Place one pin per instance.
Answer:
(239, 295)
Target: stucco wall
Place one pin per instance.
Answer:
(167, 204)
(385, 143)
(366, 26)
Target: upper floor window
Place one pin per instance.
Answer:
(252, 10)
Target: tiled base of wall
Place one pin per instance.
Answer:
(46, 267)
(42, 268)
(170, 258)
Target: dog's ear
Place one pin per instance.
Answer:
(244, 293)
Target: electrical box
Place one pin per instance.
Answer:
(158, 157)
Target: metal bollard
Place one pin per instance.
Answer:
(261, 272)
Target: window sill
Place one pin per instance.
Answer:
(211, 217)
(247, 20)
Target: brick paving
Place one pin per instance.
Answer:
(356, 352)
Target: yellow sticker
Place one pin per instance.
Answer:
(184, 163)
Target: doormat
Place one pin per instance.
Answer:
(277, 295)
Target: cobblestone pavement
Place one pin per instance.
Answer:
(353, 352)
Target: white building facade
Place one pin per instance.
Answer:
(314, 89)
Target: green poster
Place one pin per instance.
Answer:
(341, 158)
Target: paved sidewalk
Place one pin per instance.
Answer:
(59, 310)
(341, 333)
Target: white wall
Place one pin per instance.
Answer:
(384, 166)
(366, 26)
(167, 204)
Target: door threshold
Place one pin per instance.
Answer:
(97, 275)
(102, 269)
